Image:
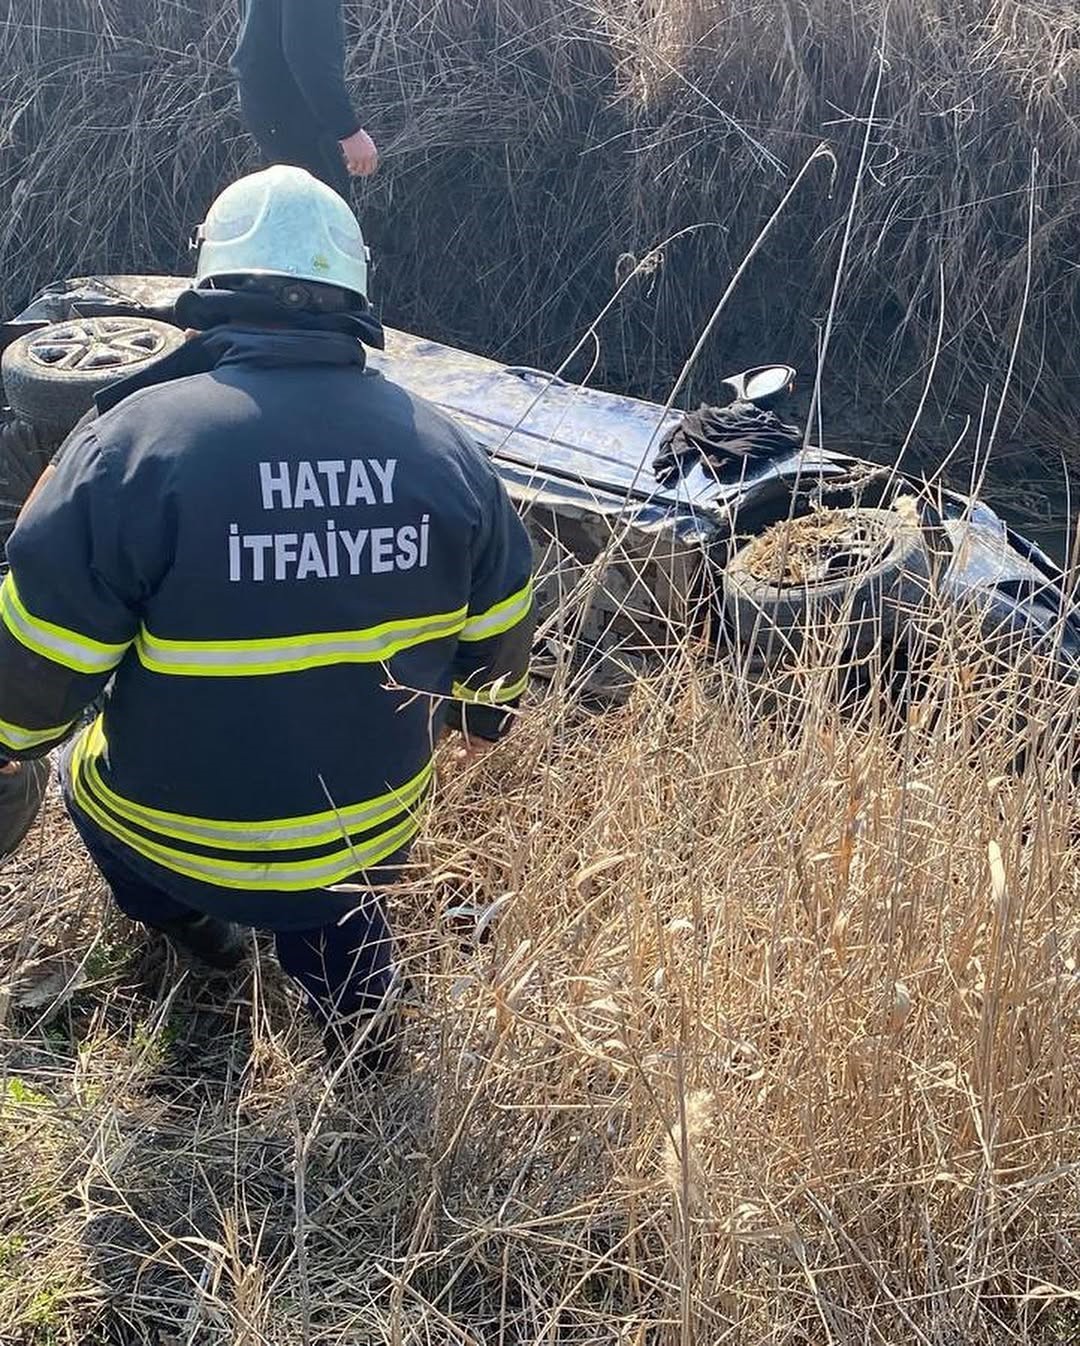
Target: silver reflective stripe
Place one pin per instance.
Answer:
(16, 738)
(500, 618)
(238, 658)
(268, 836)
(297, 877)
(493, 694)
(68, 648)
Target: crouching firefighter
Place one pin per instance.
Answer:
(281, 568)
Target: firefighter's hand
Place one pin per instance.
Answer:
(361, 156)
(467, 751)
(10, 768)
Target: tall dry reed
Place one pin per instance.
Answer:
(772, 1040)
(531, 150)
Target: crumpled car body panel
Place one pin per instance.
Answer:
(642, 558)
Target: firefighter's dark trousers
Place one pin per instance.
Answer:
(346, 969)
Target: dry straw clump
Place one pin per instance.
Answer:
(772, 1039)
(772, 1036)
(532, 150)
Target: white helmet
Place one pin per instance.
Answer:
(283, 222)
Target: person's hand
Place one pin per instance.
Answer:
(467, 751)
(10, 768)
(361, 156)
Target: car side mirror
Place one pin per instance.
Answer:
(763, 384)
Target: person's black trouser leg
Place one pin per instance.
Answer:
(21, 796)
(346, 968)
(289, 136)
(218, 943)
(348, 973)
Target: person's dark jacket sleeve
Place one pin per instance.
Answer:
(313, 37)
(74, 436)
(69, 604)
(491, 669)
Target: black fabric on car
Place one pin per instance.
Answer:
(722, 436)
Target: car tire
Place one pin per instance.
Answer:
(869, 570)
(52, 375)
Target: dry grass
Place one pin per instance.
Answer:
(531, 150)
(803, 550)
(774, 1037)
(773, 1041)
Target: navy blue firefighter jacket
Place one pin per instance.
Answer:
(278, 569)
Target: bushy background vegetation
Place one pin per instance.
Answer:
(533, 149)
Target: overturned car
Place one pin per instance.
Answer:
(647, 524)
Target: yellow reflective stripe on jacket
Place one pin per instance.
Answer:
(276, 876)
(494, 694)
(316, 829)
(17, 739)
(56, 643)
(500, 618)
(292, 654)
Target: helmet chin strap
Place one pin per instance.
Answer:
(295, 295)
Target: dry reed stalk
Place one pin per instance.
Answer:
(529, 148)
(772, 1040)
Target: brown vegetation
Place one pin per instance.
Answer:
(773, 1040)
(774, 1037)
(532, 149)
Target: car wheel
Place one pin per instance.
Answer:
(51, 376)
(865, 568)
